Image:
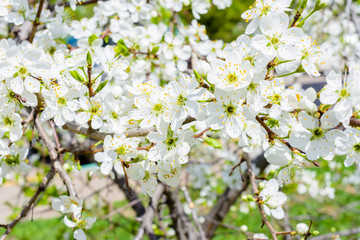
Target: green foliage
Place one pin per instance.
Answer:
(54, 229)
(226, 24)
(213, 142)
(121, 48)
(329, 215)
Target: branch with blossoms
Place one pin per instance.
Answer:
(153, 92)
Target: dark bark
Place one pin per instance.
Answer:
(130, 195)
(182, 224)
(226, 200)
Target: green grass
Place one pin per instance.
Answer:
(55, 229)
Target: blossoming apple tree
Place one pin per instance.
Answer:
(150, 93)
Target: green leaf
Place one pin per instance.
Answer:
(121, 48)
(92, 38)
(213, 142)
(155, 50)
(77, 76)
(198, 77)
(101, 86)
(106, 39)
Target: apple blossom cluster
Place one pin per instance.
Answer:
(80, 220)
(338, 33)
(135, 68)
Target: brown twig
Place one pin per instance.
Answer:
(237, 165)
(286, 233)
(202, 132)
(135, 132)
(256, 192)
(145, 147)
(107, 32)
(36, 21)
(273, 135)
(76, 150)
(296, 18)
(193, 213)
(125, 175)
(27, 120)
(354, 122)
(227, 199)
(57, 141)
(308, 234)
(348, 232)
(119, 210)
(53, 154)
(147, 220)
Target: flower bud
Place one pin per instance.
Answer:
(302, 228)
(303, 6)
(244, 228)
(202, 67)
(320, 4)
(250, 198)
(315, 233)
(67, 167)
(261, 186)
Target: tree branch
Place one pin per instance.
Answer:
(130, 195)
(226, 200)
(45, 182)
(351, 231)
(147, 220)
(134, 132)
(193, 213)
(36, 21)
(256, 191)
(181, 223)
(354, 122)
(50, 145)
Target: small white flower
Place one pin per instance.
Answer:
(66, 204)
(302, 228)
(272, 199)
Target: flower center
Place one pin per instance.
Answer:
(158, 109)
(11, 95)
(250, 58)
(357, 147)
(170, 142)
(114, 115)
(231, 78)
(271, 122)
(274, 40)
(121, 150)
(22, 72)
(82, 223)
(276, 98)
(8, 121)
(230, 109)
(251, 87)
(61, 101)
(181, 100)
(94, 110)
(265, 9)
(317, 133)
(344, 93)
(147, 176)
